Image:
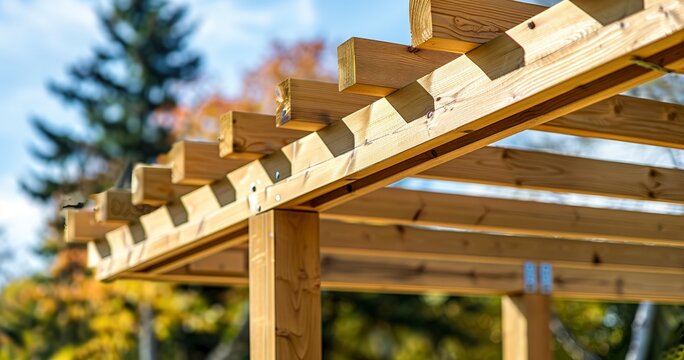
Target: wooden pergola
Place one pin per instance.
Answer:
(297, 201)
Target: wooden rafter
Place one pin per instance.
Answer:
(198, 163)
(250, 136)
(151, 185)
(551, 172)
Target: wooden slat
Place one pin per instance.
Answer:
(80, 227)
(250, 136)
(394, 275)
(115, 206)
(462, 25)
(525, 327)
(309, 105)
(198, 163)
(399, 206)
(455, 110)
(151, 185)
(625, 118)
(378, 68)
(284, 283)
(544, 171)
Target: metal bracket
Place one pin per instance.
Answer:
(537, 281)
(530, 277)
(546, 278)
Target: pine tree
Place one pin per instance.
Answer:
(118, 90)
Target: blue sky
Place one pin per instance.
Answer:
(39, 39)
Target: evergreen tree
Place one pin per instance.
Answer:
(117, 91)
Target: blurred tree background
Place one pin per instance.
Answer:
(129, 94)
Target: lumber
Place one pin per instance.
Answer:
(552, 172)
(249, 136)
(310, 105)
(625, 118)
(378, 68)
(116, 206)
(455, 110)
(365, 273)
(151, 185)
(525, 327)
(462, 25)
(406, 242)
(80, 226)
(198, 163)
(392, 206)
(284, 282)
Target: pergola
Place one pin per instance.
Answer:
(297, 201)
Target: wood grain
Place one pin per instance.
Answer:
(249, 136)
(198, 163)
(525, 327)
(551, 172)
(115, 206)
(151, 185)
(461, 25)
(309, 105)
(284, 282)
(379, 68)
(405, 207)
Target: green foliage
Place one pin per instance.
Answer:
(117, 91)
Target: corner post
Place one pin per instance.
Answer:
(284, 286)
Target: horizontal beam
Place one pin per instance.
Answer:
(551, 172)
(457, 109)
(151, 185)
(394, 206)
(309, 105)
(625, 118)
(115, 206)
(462, 25)
(249, 136)
(379, 68)
(391, 275)
(198, 163)
(407, 242)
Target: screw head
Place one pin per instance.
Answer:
(277, 175)
(531, 25)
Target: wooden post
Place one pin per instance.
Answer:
(284, 286)
(525, 327)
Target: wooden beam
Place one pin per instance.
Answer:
(309, 105)
(115, 206)
(411, 243)
(625, 118)
(365, 273)
(378, 68)
(408, 242)
(198, 163)
(80, 227)
(405, 207)
(151, 185)
(284, 283)
(525, 325)
(462, 25)
(457, 109)
(551, 172)
(249, 136)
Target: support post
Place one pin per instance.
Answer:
(526, 318)
(284, 286)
